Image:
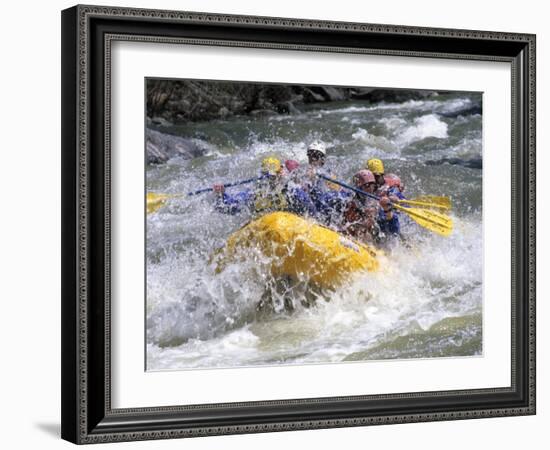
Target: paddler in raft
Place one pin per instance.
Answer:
(325, 199)
(389, 188)
(359, 217)
(366, 219)
(271, 193)
(376, 166)
(316, 158)
(389, 185)
(393, 187)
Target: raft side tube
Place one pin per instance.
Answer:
(301, 249)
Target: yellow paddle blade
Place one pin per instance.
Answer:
(433, 221)
(435, 200)
(424, 204)
(155, 201)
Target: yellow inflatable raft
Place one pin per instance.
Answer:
(300, 249)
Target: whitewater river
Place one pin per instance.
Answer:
(425, 302)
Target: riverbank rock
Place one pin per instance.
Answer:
(331, 94)
(178, 101)
(373, 95)
(160, 147)
(472, 163)
(468, 111)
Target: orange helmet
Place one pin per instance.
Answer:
(392, 180)
(363, 177)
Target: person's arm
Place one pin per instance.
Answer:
(232, 203)
(393, 225)
(388, 219)
(299, 201)
(333, 200)
(395, 194)
(360, 222)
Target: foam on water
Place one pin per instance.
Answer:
(438, 106)
(401, 133)
(199, 319)
(424, 127)
(373, 141)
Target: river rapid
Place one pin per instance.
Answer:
(425, 302)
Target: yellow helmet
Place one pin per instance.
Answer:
(375, 166)
(271, 166)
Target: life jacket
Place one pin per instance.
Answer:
(267, 198)
(307, 176)
(360, 220)
(354, 213)
(390, 191)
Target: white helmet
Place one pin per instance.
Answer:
(318, 146)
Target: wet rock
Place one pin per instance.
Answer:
(361, 93)
(154, 154)
(287, 108)
(388, 95)
(469, 111)
(312, 97)
(160, 121)
(262, 112)
(160, 147)
(224, 112)
(329, 93)
(472, 163)
(179, 101)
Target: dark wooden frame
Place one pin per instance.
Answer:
(87, 32)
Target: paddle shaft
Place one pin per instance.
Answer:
(226, 185)
(156, 201)
(347, 186)
(359, 191)
(438, 223)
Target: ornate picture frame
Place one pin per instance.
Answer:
(88, 33)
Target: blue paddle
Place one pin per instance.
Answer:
(156, 201)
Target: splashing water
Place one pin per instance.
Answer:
(426, 301)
